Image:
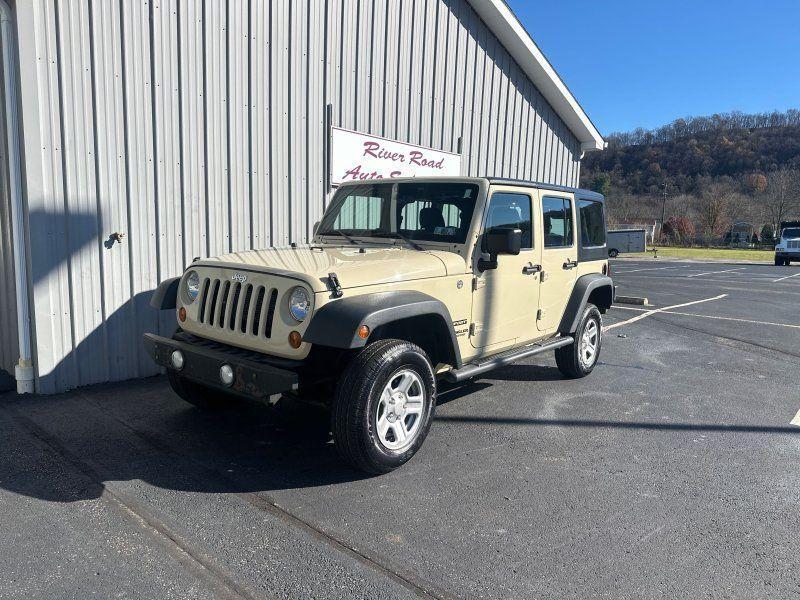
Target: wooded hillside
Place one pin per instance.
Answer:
(713, 171)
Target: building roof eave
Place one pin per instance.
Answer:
(500, 19)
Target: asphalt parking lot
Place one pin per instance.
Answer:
(670, 472)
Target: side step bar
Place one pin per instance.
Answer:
(506, 358)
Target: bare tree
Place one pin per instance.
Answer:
(714, 211)
(782, 195)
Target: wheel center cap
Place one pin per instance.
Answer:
(399, 404)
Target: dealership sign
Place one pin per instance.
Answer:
(361, 157)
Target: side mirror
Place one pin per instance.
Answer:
(500, 240)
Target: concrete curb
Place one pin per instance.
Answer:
(719, 261)
(631, 300)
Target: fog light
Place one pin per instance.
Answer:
(295, 339)
(182, 314)
(177, 360)
(226, 375)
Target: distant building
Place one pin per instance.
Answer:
(741, 235)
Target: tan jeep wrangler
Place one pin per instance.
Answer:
(406, 282)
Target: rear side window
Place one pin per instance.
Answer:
(593, 230)
(557, 214)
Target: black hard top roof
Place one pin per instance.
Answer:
(587, 194)
(579, 192)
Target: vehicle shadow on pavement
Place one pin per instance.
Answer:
(64, 448)
(523, 372)
(448, 392)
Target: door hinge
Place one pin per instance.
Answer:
(478, 283)
(474, 328)
(540, 314)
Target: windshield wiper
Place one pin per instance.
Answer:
(347, 236)
(398, 236)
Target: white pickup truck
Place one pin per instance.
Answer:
(788, 248)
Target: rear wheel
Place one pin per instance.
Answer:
(613, 253)
(384, 405)
(579, 358)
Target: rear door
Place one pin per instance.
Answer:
(505, 299)
(559, 257)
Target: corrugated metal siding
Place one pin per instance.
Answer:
(196, 127)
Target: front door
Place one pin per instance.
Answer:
(505, 299)
(559, 258)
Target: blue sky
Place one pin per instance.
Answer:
(649, 62)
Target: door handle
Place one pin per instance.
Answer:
(570, 264)
(530, 269)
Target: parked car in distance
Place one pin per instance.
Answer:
(406, 282)
(788, 246)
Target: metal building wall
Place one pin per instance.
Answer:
(197, 127)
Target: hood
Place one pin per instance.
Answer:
(355, 266)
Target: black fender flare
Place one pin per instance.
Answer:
(336, 324)
(166, 295)
(584, 287)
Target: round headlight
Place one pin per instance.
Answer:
(299, 304)
(193, 285)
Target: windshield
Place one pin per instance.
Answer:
(791, 232)
(425, 211)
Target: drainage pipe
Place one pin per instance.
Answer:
(24, 370)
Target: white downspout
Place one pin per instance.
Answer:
(24, 369)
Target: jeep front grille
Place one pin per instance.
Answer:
(235, 306)
(794, 244)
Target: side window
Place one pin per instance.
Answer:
(557, 215)
(507, 208)
(593, 231)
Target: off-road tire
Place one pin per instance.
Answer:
(613, 253)
(568, 357)
(197, 394)
(353, 414)
(778, 262)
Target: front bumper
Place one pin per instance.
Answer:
(790, 254)
(253, 378)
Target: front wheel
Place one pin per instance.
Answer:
(778, 262)
(384, 405)
(580, 357)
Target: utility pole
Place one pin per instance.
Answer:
(663, 207)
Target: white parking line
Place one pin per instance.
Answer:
(787, 277)
(658, 310)
(796, 420)
(654, 269)
(715, 272)
(685, 314)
